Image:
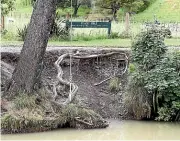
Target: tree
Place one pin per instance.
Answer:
(75, 4)
(128, 5)
(109, 4)
(6, 7)
(27, 74)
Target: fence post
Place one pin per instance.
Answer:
(2, 22)
(127, 23)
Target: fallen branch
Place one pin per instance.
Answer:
(84, 122)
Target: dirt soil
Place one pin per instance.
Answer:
(85, 73)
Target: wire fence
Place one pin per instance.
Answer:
(18, 20)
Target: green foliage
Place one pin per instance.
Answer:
(7, 35)
(59, 32)
(128, 6)
(165, 114)
(24, 101)
(148, 48)
(22, 32)
(156, 78)
(3, 32)
(131, 68)
(35, 112)
(7, 6)
(72, 111)
(164, 80)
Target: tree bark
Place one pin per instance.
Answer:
(27, 74)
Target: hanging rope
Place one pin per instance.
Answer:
(70, 77)
(70, 54)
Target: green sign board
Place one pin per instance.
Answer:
(90, 25)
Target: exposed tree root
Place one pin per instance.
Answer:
(50, 113)
(74, 87)
(123, 72)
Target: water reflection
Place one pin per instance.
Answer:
(118, 130)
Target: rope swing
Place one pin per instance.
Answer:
(70, 56)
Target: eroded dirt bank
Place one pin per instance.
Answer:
(87, 73)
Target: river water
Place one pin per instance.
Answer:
(118, 130)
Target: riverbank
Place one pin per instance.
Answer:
(89, 70)
(93, 66)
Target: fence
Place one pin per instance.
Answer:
(18, 20)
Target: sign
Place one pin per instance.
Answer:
(90, 25)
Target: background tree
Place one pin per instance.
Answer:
(75, 4)
(27, 74)
(128, 5)
(6, 7)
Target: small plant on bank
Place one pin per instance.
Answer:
(114, 84)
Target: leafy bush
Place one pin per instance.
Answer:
(22, 32)
(7, 35)
(131, 68)
(3, 32)
(156, 79)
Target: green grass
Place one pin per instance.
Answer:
(94, 43)
(165, 10)
(23, 6)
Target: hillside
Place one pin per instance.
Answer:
(165, 10)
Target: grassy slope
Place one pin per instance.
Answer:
(165, 10)
(21, 6)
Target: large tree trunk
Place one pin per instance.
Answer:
(26, 76)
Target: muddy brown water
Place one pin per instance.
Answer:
(118, 130)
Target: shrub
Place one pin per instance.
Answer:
(22, 32)
(7, 35)
(58, 30)
(3, 32)
(156, 79)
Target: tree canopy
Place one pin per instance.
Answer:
(7, 6)
(127, 5)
